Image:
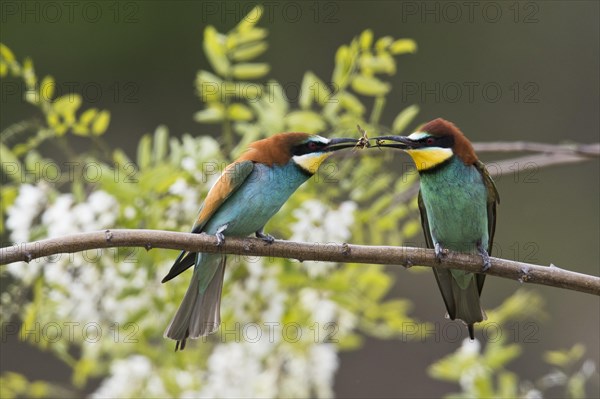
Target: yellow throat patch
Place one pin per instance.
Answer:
(311, 162)
(427, 158)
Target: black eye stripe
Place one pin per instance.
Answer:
(438, 141)
(308, 147)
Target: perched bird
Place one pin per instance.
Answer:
(248, 193)
(457, 202)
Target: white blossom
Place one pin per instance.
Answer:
(236, 362)
(185, 210)
(129, 377)
(470, 347)
(321, 224)
(323, 363)
(29, 203)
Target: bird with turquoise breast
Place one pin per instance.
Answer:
(457, 202)
(248, 193)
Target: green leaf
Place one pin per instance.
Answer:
(305, 97)
(576, 386)
(403, 46)
(250, 70)
(373, 283)
(523, 304)
(86, 117)
(32, 96)
(321, 92)
(209, 87)
(498, 355)
(250, 20)
(366, 39)
(158, 178)
(369, 86)
(315, 89)
(214, 48)
(211, 114)
(344, 60)
(383, 43)
(249, 51)
(52, 119)
(236, 39)
(382, 63)
(120, 158)
(405, 117)
(161, 144)
(56, 123)
(101, 123)
(29, 74)
(6, 53)
(39, 389)
(82, 370)
(563, 358)
(67, 104)
(411, 229)
(350, 102)
(80, 130)
(9, 193)
(305, 121)
(144, 152)
(507, 385)
(47, 88)
(11, 166)
(239, 112)
(248, 90)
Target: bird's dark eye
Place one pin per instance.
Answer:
(308, 147)
(430, 140)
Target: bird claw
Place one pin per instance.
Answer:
(268, 238)
(486, 265)
(220, 239)
(485, 257)
(440, 252)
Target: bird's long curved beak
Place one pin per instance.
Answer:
(401, 142)
(341, 143)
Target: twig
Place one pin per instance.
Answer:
(345, 253)
(517, 146)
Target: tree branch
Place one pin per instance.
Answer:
(590, 150)
(345, 253)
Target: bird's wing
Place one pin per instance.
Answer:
(442, 276)
(425, 222)
(493, 198)
(232, 178)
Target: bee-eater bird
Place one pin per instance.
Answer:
(247, 194)
(457, 202)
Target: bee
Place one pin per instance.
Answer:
(363, 141)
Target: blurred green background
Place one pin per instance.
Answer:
(139, 60)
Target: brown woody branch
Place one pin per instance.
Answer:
(343, 253)
(590, 150)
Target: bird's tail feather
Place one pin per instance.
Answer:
(184, 261)
(199, 312)
(468, 306)
(461, 303)
(206, 315)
